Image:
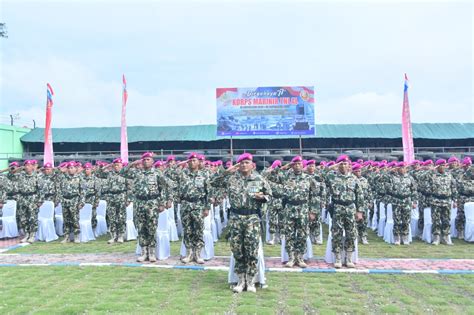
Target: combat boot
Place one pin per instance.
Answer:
(65, 240)
(240, 285)
(31, 238)
(77, 239)
(197, 257)
(364, 240)
(291, 262)
(151, 254)
(142, 257)
(24, 239)
(435, 240)
(250, 284)
(301, 262)
(120, 239)
(396, 240)
(405, 240)
(272, 240)
(112, 239)
(447, 240)
(338, 261)
(188, 258)
(349, 262)
(461, 235)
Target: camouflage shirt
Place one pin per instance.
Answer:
(402, 189)
(71, 186)
(193, 187)
(442, 187)
(151, 184)
(345, 189)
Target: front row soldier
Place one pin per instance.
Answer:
(443, 193)
(346, 207)
(150, 187)
(247, 191)
(71, 195)
(368, 203)
(193, 195)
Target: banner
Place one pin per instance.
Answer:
(123, 130)
(48, 136)
(265, 111)
(407, 134)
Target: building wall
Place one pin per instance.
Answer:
(10, 144)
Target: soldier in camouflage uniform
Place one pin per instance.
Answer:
(321, 198)
(30, 200)
(368, 203)
(403, 193)
(466, 194)
(149, 190)
(247, 191)
(443, 192)
(92, 191)
(275, 206)
(347, 205)
(193, 195)
(71, 195)
(302, 200)
(116, 188)
(424, 192)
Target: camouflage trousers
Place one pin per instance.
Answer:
(401, 218)
(362, 226)
(146, 220)
(343, 221)
(441, 216)
(273, 219)
(422, 204)
(297, 230)
(244, 241)
(193, 227)
(94, 211)
(71, 215)
(460, 220)
(28, 213)
(116, 213)
(315, 225)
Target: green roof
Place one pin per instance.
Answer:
(208, 133)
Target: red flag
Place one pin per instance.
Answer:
(407, 134)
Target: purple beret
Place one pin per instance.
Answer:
(87, 165)
(117, 160)
(467, 161)
(47, 165)
(401, 164)
(440, 162)
(428, 162)
(366, 163)
(71, 164)
(245, 156)
(14, 164)
(170, 158)
(147, 155)
(28, 162)
(228, 163)
(453, 159)
(34, 162)
(78, 164)
(330, 163)
(276, 163)
(201, 157)
(158, 164)
(218, 162)
(193, 155)
(356, 166)
(360, 161)
(310, 162)
(297, 159)
(343, 158)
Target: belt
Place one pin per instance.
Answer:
(70, 197)
(146, 197)
(295, 203)
(243, 211)
(342, 203)
(28, 194)
(117, 192)
(192, 199)
(440, 197)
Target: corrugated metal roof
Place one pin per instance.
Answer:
(208, 133)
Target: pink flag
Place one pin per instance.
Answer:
(407, 134)
(48, 136)
(123, 131)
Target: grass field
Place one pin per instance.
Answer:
(138, 290)
(376, 249)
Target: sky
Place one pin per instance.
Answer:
(174, 55)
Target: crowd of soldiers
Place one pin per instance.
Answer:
(295, 195)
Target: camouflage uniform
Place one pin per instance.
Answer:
(275, 206)
(72, 198)
(443, 191)
(402, 190)
(244, 218)
(49, 188)
(302, 196)
(421, 178)
(92, 191)
(321, 201)
(117, 199)
(368, 204)
(28, 203)
(466, 194)
(193, 196)
(380, 180)
(347, 198)
(149, 193)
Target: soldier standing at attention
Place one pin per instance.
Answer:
(275, 206)
(150, 188)
(443, 192)
(347, 207)
(193, 195)
(92, 191)
(368, 203)
(403, 192)
(72, 198)
(30, 200)
(246, 191)
(466, 194)
(320, 198)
